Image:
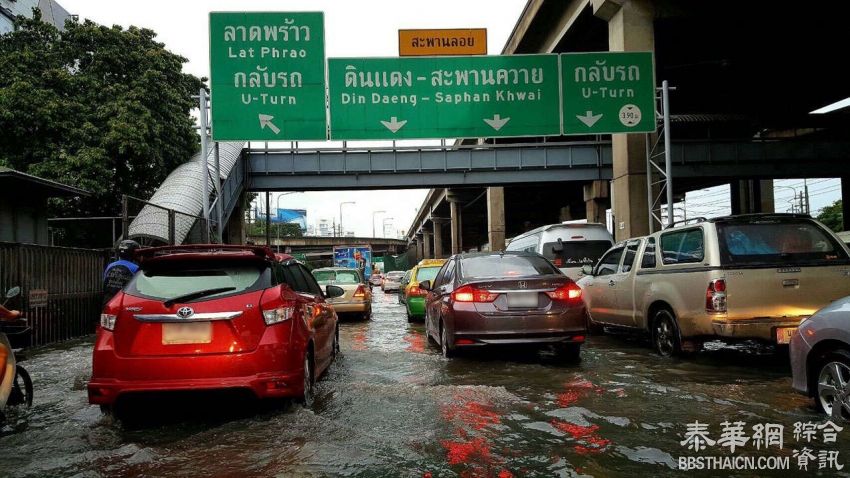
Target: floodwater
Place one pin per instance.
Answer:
(392, 406)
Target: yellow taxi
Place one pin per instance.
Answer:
(414, 297)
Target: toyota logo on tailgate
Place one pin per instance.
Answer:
(185, 312)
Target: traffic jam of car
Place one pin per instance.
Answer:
(215, 317)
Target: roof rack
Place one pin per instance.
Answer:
(768, 214)
(151, 252)
(695, 220)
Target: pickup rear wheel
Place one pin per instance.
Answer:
(665, 334)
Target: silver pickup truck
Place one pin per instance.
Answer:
(736, 277)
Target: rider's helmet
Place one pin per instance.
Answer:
(127, 248)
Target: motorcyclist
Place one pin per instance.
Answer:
(119, 273)
(6, 314)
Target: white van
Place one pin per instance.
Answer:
(569, 246)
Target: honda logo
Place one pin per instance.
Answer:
(522, 284)
(185, 312)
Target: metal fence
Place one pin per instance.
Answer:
(61, 288)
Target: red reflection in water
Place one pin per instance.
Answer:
(416, 342)
(588, 441)
(574, 391)
(359, 341)
(472, 446)
(476, 415)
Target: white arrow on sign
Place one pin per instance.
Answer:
(266, 121)
(394, 124)
(589, 119)
(496, 122)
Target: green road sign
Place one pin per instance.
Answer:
(609, 92)
(267, 76)
(444, 97)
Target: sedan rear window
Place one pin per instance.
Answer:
(505, 266)
(427, 273)
(167, 283)
(324, 276)
(347, 277)
(777, 242)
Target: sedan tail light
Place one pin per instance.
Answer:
(282, 313)
(569, 292)
(415, 291)
(715, 296)
(469, 293)
(360, 292)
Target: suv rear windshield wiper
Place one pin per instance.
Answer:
(196, 295)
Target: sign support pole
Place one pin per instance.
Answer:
(217, 183)
(205, 170)
(665, 104)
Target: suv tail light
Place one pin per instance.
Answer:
(282, 313)
(468, 293)
(360, 292)
(107, 321)
(569, 292)
(715, 296)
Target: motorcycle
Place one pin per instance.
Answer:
(16, 385)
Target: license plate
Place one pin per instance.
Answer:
(186, 333)
(784, 334)
(522, 299)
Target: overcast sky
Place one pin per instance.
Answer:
(352, 28)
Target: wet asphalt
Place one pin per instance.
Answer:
(392, 406)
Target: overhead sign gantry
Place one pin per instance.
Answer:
(268, 83)
(267, 76)
(444, 97)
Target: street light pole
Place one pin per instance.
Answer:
(373, 221)
(340, 214)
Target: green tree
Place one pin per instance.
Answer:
(832, 216)
(105, 109)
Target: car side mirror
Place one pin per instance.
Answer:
(332, 291)
(13, 292)
(425, 285)
(587, 270)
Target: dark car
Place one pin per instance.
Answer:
(212, 317)
(507, 298)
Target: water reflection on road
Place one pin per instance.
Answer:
(392, 406)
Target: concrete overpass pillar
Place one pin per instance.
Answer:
(750, 196)
(596, 201)
(235, 226)
(438, 239)
(427, 240)
(496, 218)
(630, 28)
(419, 251)
(454, 207)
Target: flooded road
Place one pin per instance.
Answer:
(392, 406)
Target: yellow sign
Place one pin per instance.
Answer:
(465, 41)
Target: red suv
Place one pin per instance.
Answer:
(211, 317)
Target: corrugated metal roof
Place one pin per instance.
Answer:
(181, 191)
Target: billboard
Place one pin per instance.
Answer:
(293, 216)
(354, 257)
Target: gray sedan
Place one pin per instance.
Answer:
(820, 358)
